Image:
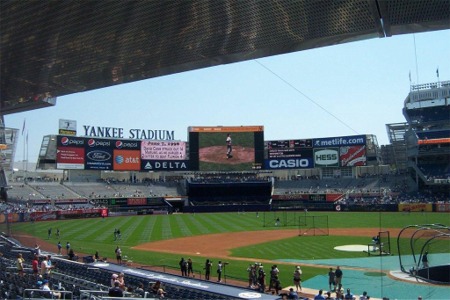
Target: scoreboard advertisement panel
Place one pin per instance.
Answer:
(340, 141)
(352, 156)
(226, 148)
(326, 157)
(289, 154)
(99, 154)
(70, 152)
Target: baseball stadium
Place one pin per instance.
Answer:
(225, 214)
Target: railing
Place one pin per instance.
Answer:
(53, 294)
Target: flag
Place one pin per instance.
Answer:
(437, 72)
(23, 127)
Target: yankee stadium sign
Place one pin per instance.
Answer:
(134, 134)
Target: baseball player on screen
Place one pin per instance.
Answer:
(229, 147)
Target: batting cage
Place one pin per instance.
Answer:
(380, 245)
(313, 225)
(424, 252)
(279, 219)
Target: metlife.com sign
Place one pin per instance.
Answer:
(340, 141)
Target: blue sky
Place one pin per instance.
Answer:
(348, 89)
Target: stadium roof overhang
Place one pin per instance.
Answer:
(56, 48)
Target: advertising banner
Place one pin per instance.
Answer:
(289, 163)
(99, 154)
(291, 197)
(127, 144)
(289, 158)
(327, 157)
(351, 156)
(70, 152)
(127, 160)
(70, 158)
(442, 207)
(340, 141)
(417, 207)
(136, 201)
(164, 165)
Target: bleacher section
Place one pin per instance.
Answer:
(53, 190)
(92, 280)
(22, 191)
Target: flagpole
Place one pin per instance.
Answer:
(23, 154)
(437, 74)
(27, 150)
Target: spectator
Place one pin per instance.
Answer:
(219, 271)
(207, 268)
(364, 296)
(158, 289)
(297, 278)
(121, 280)
(114, 279)
(35, 265)
(45, 267)
(140, 290)
(328, 297)
(319, 296)
(19, 264)
(292, 294)
(115, 291)
(190, 269)
(71, 254)
(349, 295)
(183, 267)
(48, 292)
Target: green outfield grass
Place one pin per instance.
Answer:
(244, 139)
(90, 235)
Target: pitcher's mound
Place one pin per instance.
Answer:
(351, 248)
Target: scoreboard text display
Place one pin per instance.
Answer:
(163, 150)
(226, 148)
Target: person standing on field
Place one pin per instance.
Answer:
(339, 274)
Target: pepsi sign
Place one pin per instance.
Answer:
(125, 144)
(98, 143)
(69, 141)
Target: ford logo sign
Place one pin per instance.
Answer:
(98, 155)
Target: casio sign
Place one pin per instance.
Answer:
(98, 155)
(289, 163)
(326, 157)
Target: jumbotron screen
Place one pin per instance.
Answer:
(226, 148)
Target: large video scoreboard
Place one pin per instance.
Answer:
(226, 148)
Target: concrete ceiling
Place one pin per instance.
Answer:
(54, 48)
